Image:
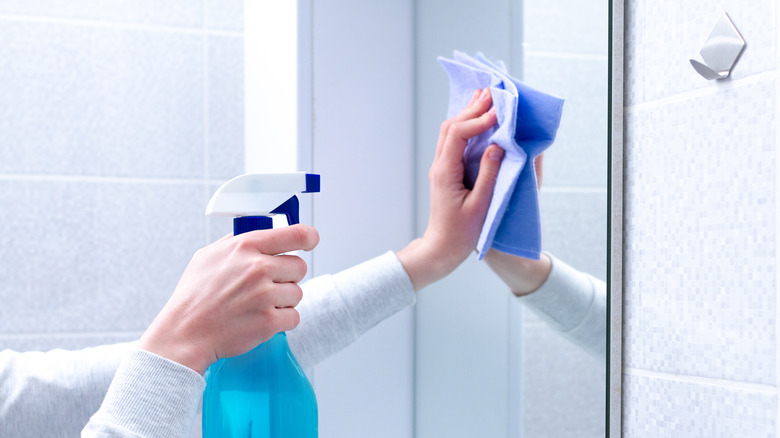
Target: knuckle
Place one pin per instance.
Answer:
(315, 238)
(295, 318)
(445, 127)
(300, 234)
(301, 267)
(297, 294)
(240, 244)
(260, 266)
(268, 314)
(458, 129)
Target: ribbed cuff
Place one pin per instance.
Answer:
(564, 298)
(151, 396)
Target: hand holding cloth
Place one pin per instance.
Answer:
(527, 123)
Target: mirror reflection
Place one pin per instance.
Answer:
(122, 121)
(489, 364)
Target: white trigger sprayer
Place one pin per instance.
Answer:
(263, 393)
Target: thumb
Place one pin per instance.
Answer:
(488, 172)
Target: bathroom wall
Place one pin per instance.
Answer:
(485, 366)
(118, 120)
(700, 241)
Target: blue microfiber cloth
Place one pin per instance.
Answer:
(527, 122)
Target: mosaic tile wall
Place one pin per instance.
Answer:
(700, 288)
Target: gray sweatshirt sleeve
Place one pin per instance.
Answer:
(53, 393)
(574, 304)
(150, 396)
(337, 309)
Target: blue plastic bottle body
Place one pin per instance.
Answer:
(263, 393)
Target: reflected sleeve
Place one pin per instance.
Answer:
(573, 303)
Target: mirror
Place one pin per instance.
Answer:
(485, 364)
(469, 360)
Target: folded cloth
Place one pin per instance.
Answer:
(527, 123)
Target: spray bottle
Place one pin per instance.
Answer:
(263, 393)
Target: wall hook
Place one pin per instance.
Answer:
(721, 50)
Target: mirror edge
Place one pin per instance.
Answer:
(615, 220)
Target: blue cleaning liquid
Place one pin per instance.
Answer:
(261, 394)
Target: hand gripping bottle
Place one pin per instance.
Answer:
(263, 393)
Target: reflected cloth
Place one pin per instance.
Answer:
(527, 123)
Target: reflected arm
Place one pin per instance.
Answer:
(572, 302)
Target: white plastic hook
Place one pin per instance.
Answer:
(720, 51)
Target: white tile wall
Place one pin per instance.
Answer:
(663, 35)
(176, 13)
(700, 258)
(579, 155)
(708, 260)
(661, 407)
(105, 162)
(85, 99)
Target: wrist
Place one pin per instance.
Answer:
(180, 351)
(522, 275)
(423, 264)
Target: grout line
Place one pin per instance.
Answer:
(120, 25)
(707, 381)
(105, 179)
(6, 336)
(703, 92)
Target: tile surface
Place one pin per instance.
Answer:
(89, 256)
(100, 101)
(225, 14)
(225, 107)
(700, 288)
(661, 408)
(563, 386)
(663, 35)
(180, 13)
(578, 157)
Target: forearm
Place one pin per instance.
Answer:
(337, 309)
(573, 303)
(150, 396)
(62, 387)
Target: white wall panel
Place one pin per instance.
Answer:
(362, 146)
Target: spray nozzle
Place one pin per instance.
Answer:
(263, 194)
